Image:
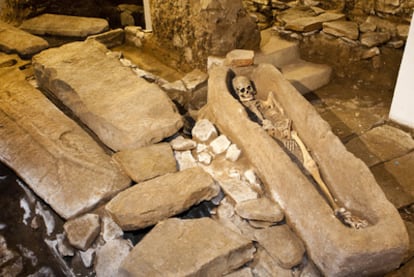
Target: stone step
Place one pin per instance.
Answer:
(14, 40)
(275, 50)
(123, 110)
(306, 76)
(64, 25)
(60, 162)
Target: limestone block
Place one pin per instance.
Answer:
(341, 28)
(124, 111)
(83, 230)
(64, 25)
(370, 53)
(204, 130)
(194, 79)
(381, 144)
(182, 144)
(192, 247)
(185, 159)
(308, 24)
(233, 153)
(262, 209)
(147, 162)
(110, 256)
(282, 244)
(111, 38)
(59, 161)
(266, 265)
(237, 190)
(337, 250)
(220, 144)
(366, 27)
(371, 39)
(149, 202)
(239, 57)
(14, 40)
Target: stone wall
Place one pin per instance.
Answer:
(198, 28)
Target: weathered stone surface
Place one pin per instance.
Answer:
(260, 209)
(220, 144)
(204, 130)
(110, 230)
(381, 144)
(58, 160)
(341, 28)
(366, 27)
(111, 38)
(240, 57)
(345, 251)
(182, 144)
(185, 159)
(196, 247)
(110, 256)
(308, 24)
(14, 40)
(282, 244)
(149, 202)
(124, 111)
(83, 230)
(371, 39)
(147, 162)
(372, 52)
(194, 79)
(410, 230)
(210, 28)
(266, 265)
(237, 190)
(244, 272)
(64, 25)
(233, 153)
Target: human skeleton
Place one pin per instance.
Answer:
(274, 120)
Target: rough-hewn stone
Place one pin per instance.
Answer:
(336, 249)
(111, 38)
(14, 40)
(371, 39)
(83, 230)
(260, 209)
(124, 111)
(149, 202)
(342, 28)
(58, 160)
(147, 162)
(110, 256)
(195, 247)
(64, 25)
(308, 24)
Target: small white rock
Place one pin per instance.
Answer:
(87, 257)
(110, 229)
(205, 158)
(220, 144)
(204, 130)
(201, 147)
(182, 144)
(185, 159)
(250, 176)
(233, 153)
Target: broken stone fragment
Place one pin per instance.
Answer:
(111, 38)
(194, 79)
(239, 57)
(237, 190)
(371, 39)
(233, 153)
(149, 202)
(110, 256)
(14, 40)
(185, 160)
(265, 265)
(63, 246)
(125, 112)
(192, 247)
(282, 244)
(372, 52)
(262, 209)
(110, 230)
(64, 25)
(83, 230)
(220, 144)
(204, 158)
(147, 162)
(244, 272)
(204, 131)
(134, 35)
(367, 27)
(347, 29)
(182, 144)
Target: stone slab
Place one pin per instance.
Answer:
(309, 24)
(306, 76)
(381, 144)
(149, 202)
(83, 230)
(110, 38)
(64, 25)
(147, 162)
(194, 247)
(58, 160)
(336, 249)
(14, 40)
(124, 111)
(342, 28)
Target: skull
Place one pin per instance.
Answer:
(244, 88)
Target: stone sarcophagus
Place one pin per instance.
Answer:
(337, 249)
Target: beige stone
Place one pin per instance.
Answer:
(124, 111)
(240, 57)
(371, 39)
(147, 162)
(110, 256)
(333, 248)
(111, 38)
(14, 40)
(265, 265)
(308, 24)
(193, 247)
(262, 209)
(341, 28)
(149, 202)
(83, 230)
(237, 190)
(64, 25)
(60, 162)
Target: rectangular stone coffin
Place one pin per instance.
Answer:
(124, 111)
(336, 249)
(52, 154)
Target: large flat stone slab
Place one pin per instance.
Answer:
(64, 25)
(14, 40)
(337, 250)
(52, 154)
(194, 247)
(124, 111)
(381, 144)
(147, 203)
